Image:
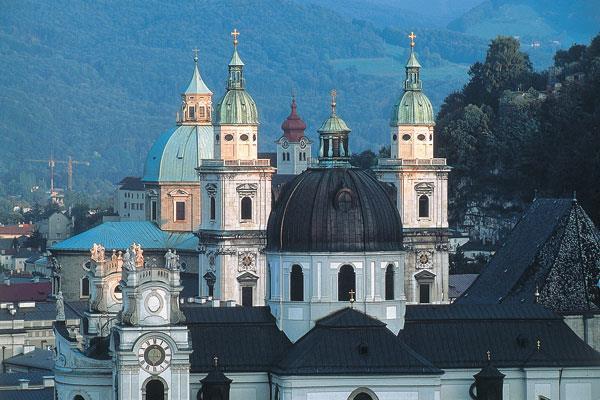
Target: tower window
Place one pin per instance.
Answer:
(421, 137)
(213, 208)
(244, 137)
(346, 283)
(424, 293)
(229, 137)
(389, 282)
(179, 211)
(153, 210)
(85, 287)
(406, 137)
(201, 111)
(192, 112)
(296, 283)
(246, 212)
(423, 206)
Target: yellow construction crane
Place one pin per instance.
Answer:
(52, 163)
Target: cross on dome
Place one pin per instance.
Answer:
(195, 55)
(412, 37)
(352, 293)
(235, 35)
(333, 94)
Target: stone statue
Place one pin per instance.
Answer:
(169, 259)
(128, 260)
(113, 257)
(139, 255)
(60, 307)
(97, 252)
(176, 264)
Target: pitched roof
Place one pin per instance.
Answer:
(17, 230)
(458, 336)
(351, 342)
(197, 85)
(120, 235)
(37, 358)
(29, 394)
(28, 291)
(457, 284)
(244, 339)
(131, 183)
(12, 378)
(551, 250)
(43, 311)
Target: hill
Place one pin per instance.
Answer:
(99, 80)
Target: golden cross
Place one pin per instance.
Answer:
(352, 293)
(195, 54)
(333, 103)
(538, 344)
(216, 361)
(235, 35)
(412, 37)
(489, 355)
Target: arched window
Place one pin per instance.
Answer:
(389, 282)
(363, 396)
(155, 390)
(423, 206)
(192, 112)
(213, 208)
(346, 283)
(246, 208)
(296, 283)
(85, 287)
(78, 397)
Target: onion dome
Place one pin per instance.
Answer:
(413, 108)
(333, 136)
(293, 126)
(237, 106)
(197, 85)
(334, 210)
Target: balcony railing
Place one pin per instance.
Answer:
(390, 162)
(261, 162)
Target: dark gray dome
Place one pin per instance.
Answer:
(334, 210)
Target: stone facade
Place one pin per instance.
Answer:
(236, 142)
(161, 205)
(293, 157)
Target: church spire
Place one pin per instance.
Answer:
(333, 136)
(197, 85)
(196, 108)
(236, 66)
(413, 81)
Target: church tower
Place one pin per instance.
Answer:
(236, 199)
(293, 148)
(172, 188)
(421, 183)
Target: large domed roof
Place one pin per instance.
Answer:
(334, 210)
(175, 154)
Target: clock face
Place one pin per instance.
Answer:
(424, 259)
(247, 260)
(284, 143)
(154, 355)
(302, 143)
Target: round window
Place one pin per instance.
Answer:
(244, 137)
(229, 137)
(406, 137)
(395, 137)
(421, 137)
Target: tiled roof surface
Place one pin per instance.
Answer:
(12, 379)
(38, 359)
(120, 235)
(43, 311)
(17, 230)
(28, 291)
(30, 394)
(457, 284)
(550, 251)
(459, 337)
(350, 342)
(131, 183)
(244, 339)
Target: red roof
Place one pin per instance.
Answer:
(17, 230)
(293, 127)
(27, 291)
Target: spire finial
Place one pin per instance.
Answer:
(195, 55)
(216, 361)
(351, 293)
(489, 355)
(412, 37)
(333, 94)
(235, 35)
(575, 196)
(538, 345)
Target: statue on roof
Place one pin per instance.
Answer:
(60, 307)
(172, 260)
(129, 260)
(97, 252)
(139, 255)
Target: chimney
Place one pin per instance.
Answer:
(23, 384)
(48, 381)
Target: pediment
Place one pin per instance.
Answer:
(424, 276)
(247, 277)
(179, 193)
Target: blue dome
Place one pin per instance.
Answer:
(176, 153)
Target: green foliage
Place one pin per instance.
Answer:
(505, 143)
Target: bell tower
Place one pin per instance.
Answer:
(196, 100)
(150, 343)
(421, 183)
(236, 199)
(293, 148)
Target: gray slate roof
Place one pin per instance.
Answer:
(37, 359)
(30, 394)
(553, 249)
(43, 311)
(459, 335)
(12, 379)
(457, 284)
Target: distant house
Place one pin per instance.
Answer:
(20, 257)
(129, 199)
(56, 228)
(36, 360)
(456, 239)
(15, 292)
(15, 231)
(476, 248)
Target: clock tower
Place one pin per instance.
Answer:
(150, 341)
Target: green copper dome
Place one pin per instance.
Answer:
(237, 106)
(333, 124)
(413, 108)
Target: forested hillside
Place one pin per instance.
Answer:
(513, 133)
(100, 80)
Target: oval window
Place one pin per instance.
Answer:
(430, 137)
(421, 137)
(217, 137)
(229, 137)
(244, 137)
(254, 138)
(406, 137)
(395, 137)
